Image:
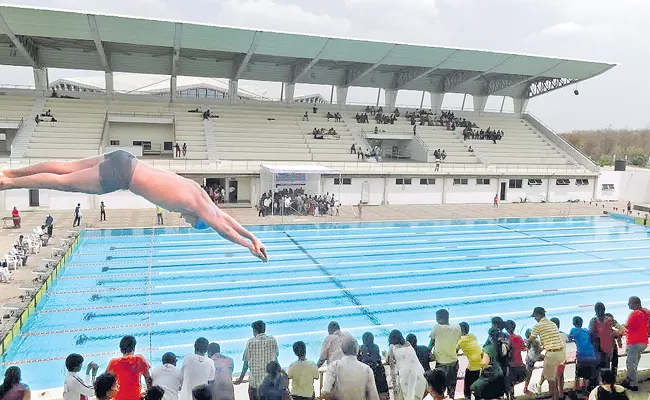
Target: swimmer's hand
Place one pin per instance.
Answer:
(258, 250)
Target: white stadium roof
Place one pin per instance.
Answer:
(44, 38)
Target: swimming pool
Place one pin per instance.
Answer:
(169, 286)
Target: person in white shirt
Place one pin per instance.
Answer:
(348, 378)
(75, 388)
(331, 348)
(168, 377)
(5, 275)
(197, 369)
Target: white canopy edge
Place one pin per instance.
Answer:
(303, 169)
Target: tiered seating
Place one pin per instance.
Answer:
(15, 108)
(77, 134)
(188, 127)
(519, 145)
(277, 133)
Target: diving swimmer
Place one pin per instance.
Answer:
(121, 170)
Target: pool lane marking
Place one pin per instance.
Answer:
(351, 298)
(316, 310)
(333, 244)
(341, 287)
(314, 333)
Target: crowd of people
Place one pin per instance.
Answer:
(45, 117)
(358, 372)
(322, 133)
(291, 201)
(489, 134)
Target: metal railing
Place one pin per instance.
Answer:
(145, 114)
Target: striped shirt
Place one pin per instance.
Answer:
(549, 335)
(260, 351)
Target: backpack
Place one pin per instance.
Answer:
(603, 394)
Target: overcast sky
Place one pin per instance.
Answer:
(601, 30)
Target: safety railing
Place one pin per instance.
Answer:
(11, 120)
(144, 114)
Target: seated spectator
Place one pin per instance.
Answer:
(17, 252)
(358, 117)
(471, 150)
(11, 388)
(222, 386)
(53, 120)
(75, 388)
(196, 110)
(154, 393)
(436, 384)
(197, 369)
(396, 112)
(37, 119)
(305, 117)
(315, 108)
(202, 392)
(48, 113)
(54, 94)
(443, 155)
(376, 130)
(275, 385)
(106, 387)
(608, 389)
(128, 370)
(168, 377)
(329, 115)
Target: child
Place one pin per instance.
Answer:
(516, 369)
(560, 370)
(586, 359)
(74, 387)
(302, 373)
(533, 355)
(474, 353)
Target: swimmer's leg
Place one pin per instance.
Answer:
(82, 181)
(54, 167)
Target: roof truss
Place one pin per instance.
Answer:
(23, 44)
(92, 24)
(548, 85)
(302, 67)
(456, 79)
(356, 73)
(242, 61)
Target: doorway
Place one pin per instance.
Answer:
(365, 192)
(232, 192)
(34, 198)
(502, 195)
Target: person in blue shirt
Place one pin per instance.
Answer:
(586, 357)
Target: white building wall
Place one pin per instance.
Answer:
(126, 133)
(613, 178)
(535, 193)
(350, 194)
(634, 186)
(470, 193)
(561, 194)
(415, 193)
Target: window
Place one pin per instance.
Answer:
(403, 181)
(534, 182)
(168, 146)
(460, 181)
(203, 93)
(608, 186)
(482, 181)
(346, 181)
(582, 182)
(115, 143)
(562, 182)
(427, 181)
(515, 183)
(135, 142)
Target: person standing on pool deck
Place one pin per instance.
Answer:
(197, 369)
(603, 332)
(75, 388)
(496, 200)
(259, 352)
(77, 215)
(444, 338)
(102, 211)
(636, 336)
(360, 208)
(127, 370)
(121, 170)
(331, 349)
(553, 344)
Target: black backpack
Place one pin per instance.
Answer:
(604, 394)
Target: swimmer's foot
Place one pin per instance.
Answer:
(4, 181)
(5, 171)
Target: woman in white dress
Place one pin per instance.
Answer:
(407, 373)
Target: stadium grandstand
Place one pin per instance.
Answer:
(303, 154)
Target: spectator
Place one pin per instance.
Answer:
(474, 353)
(348, 378)
(302, 374)
(202, 392)
(353, 149)
(406, 370)
(159, 215)
(471, 150)
(444, 338)
(5, 275)
(15, 215)
(315, 109)
(77, 215)
(360, 208)
(553, 344)
(436, 384)
(562, 367)
(102, 211)
(49, 224)
(532, 356)
(168, 377)
(421, 351)
(331, 348)
(636, 336)
(222, 387)
(305, 117)
(37, 119)
(516, 372)
(184, 149)
(608, 390)
(75, 388)
(604, 332)
(586, 358)
(11, 388)
(127, 370)
(629, 207)
(275, 385)
(106, 387)
(490, 385)
(496, 200)
(369, 355)
(154, 393)
(178, 150)
(197, 369)
(259, 352)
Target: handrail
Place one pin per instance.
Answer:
(421, 141)
(150, 114)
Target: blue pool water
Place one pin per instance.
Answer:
(168, 287)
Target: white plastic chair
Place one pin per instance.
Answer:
(5, 275)
(12, 260)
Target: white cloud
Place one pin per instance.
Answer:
(564, 29)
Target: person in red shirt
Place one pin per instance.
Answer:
(636, 336)
(16, 217)
(516, 368)
(128, 370)
(605, 332)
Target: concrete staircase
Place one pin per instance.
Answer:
(24, 134)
